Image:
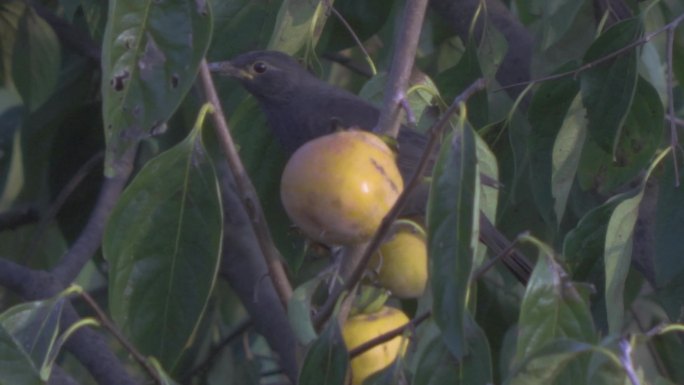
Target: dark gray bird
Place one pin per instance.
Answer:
(300, 107)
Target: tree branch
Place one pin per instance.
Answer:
(244, 267)
(91, 237)
(67, 190)
(88, 346)
(246, 190)
(405, 46)
(17, 217)
(370, 344)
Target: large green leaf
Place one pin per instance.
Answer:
(640, 138)
(547, 113)
(617, 256)
(556, 18)
(36, 58)
(567, 151)
(438, 366)
(608, 87)
(163, 243)
(326, 360)
(251, 20)
(150, 56)
(453, 218)
(553, 308)
(299, 24)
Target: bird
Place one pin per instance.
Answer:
(300, 107)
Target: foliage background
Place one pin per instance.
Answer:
(581, 112)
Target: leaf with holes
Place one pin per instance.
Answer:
(150, 56)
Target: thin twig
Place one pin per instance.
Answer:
(246, 190)
(626, 359)
(653, 351)
(405, 47)
(493, 261)
(677, 121)
(643, 40)
(415, 181)
(370, 344)
(347, 63)
(107, 324)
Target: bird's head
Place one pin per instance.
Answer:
(265, 74)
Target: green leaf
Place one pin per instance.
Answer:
(678, 55)
(618, 257)
(36, 59)
(608, 87)
(419, 100)
(299, 24)
(583, 246)
(552, 308)
(163, 376)
(492, 48)
(548, 111)
(35, 327)
(669, 227)
(556, 19)
(438, 366)
(567, 151)
(455, 79)
(642, 134)
(252, 20)
(264, 160)
(326, 360)
(364, 17)
(553, 359)
(299, 310)
(11, 168)
(453, 218)
(393, 374)
(95, 15)
(16, 367)
(150, 56)
(163, 243)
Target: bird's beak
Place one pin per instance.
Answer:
(226, 68)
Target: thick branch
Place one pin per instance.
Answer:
(88, 346)
(244, 267)
(405, 46)
(91, 237)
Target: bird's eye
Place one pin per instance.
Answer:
(259, 67)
